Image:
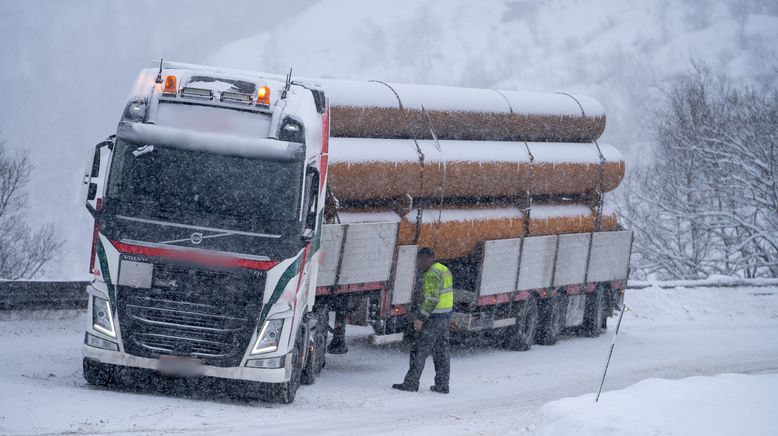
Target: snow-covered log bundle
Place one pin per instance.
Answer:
(374, 169)
(381, 110)
(456, 166)
(456, 231)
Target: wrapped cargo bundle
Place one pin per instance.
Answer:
(362, 109)
(455, 232)
(374, 169)
(558, 219)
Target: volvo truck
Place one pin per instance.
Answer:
(233, 211)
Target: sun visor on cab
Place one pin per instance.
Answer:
(219, 143)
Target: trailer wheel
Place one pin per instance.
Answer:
(98, 374)
(521, 336)
(317, 351)
(594, 313)
(285, 392)
(550, 320)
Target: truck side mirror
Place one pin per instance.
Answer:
(311, 204)
(92, 171)
(92, 193)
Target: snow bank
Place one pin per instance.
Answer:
(727, 404)
(714, 280)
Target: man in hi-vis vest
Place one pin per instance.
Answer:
(431, 320)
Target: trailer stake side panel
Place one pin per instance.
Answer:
(537, 262)
(571, 259)
(331, 241)
(367, 253)
(405, 274)
(609, 258)
(356, 253)
(499, 267)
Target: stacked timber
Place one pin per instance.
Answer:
(374, 109)
(455, 231)
(456, 166)
(374, 169)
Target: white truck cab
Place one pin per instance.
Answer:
(208, 212)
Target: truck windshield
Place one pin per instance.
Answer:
(226, 191)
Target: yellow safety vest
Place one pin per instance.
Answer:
(438, 288)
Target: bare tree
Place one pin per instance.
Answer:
(708, 202)
(24, 252)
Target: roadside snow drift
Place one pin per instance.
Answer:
(728, 404)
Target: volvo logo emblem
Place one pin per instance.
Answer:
(196, 238)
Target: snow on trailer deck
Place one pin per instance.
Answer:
(669, 333)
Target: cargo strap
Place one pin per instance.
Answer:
(510, 108)
(418, 152)
(600, 194)
(445, 177)
(583, 113)
(601, 177)
(526, 211)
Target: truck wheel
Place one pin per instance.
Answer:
(98, 374)
(521, 336)
(317, 350)
(594, 313)
(550, 320)
(285, 392)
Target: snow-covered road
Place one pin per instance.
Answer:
(669, 333)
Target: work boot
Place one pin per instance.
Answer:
(337, 347)
(404, 387)
(439, 389)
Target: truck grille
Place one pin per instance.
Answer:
(208, 315)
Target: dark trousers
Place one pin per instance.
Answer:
(431, 339)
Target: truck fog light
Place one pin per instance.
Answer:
(273, 362)
(94, 341)
(268, 338)
(101, 317)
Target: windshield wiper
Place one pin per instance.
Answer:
(204, 228)
(140, 151)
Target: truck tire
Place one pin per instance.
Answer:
(98, 374)
(594, 313)
(550, 320)
(521, 336)
(285, 392)
(317, 350)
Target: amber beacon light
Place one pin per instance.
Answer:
(170, 85)
(263, 96)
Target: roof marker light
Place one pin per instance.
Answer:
(170, 85)
(263, 96)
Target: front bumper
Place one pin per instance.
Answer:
(264, 375)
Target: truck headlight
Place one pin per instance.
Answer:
(102, 320)
(267, 342)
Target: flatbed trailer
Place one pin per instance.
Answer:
(529, 287)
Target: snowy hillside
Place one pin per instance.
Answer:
(615, 50)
